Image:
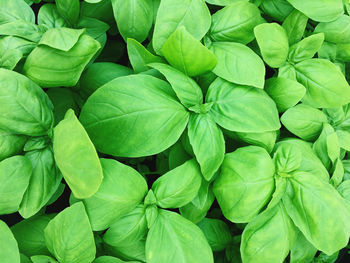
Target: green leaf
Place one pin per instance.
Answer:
(326, 11)
(122, 189)
(285, 92)
(326, 86)
(15, 10)
(42, 259)
(98, 74)
(127, 236)
(49, 17)
(139, 56)
(69, 236)
(243, 189)
(287, 159)
(69, 10)
(344, 190)
(336, 31)
(273, 43)
(174, 235)
(344, 139)
(61, 38)
(306, 48)
(235, 22)
(117, 111)
(230, 107)
(217, 233)
(179, 186)
(238, 64)
(307, 198)
(187, 54)
(268, 237)
(338, 173)
(9, 249)
(109, 259)
(294, 25)
(10, 58)
(25, 108)
(302, 250)
(134, 18)
(304, 121)
(43, 183)
(186, 89)
(50, 67)
(194, 15)
(15, 173)
(29, 234)
(277, 9)
(76, 157)
(207, 142)
(10, 144)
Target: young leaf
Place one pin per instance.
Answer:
(243, 189)
(187, 54)
(194, 15)
(9, 251)
(273, 43)
(174, 235)
(69, 237)
(230, 109)
(10, 144)
(61, 38)
(306, 48)
(69, 10)
(337, 31)
(122, 189)
(76, 157)
(294, 25)
(238, 64)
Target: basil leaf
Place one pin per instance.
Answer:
(241, 189)
(194, 15)
(69, 10)
(304, 121)
(122, 189)
(302, 250)
(69, 237)
(49, 17)
(306, 199)
(25, 107)
(126, 237)
(273, 43)
(9, 252)
(15, 173)
(179, 186)
(50, 67)
(294, 25)
(16, 10)
(109, 259)
(76, 157)
(29, 234)
(277, 9)
(235, 22)
(110, 113)
(306, 48)
(10, 144)
(139, 56)
(134, 18)
(328, 11)
(61, 38)
(326, 86)
(285, 92)
(42, 259)
(174, 235)
(268, 237)
(238, 64)
(187, 54)
(207, 142)
(230, 110)
(43, 183)
(186, 89)
(336, 31)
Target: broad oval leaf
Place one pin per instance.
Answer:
(9, 252)
(194, 15)
(336, 31)
(179, 186)
(171, 234)
(50, 67)
(61, 38)
(15, 173)
(294, 25)
(76, 157)
(25, 108)
(242, 189)
(326, 86)
(122, 189)
(187, 54)
(69, 236)
(10, 144)
(306, 48)
(239, 64)
(69, 9)
(235, 22)
(231, 111)
(320, 11)
(117, 111)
